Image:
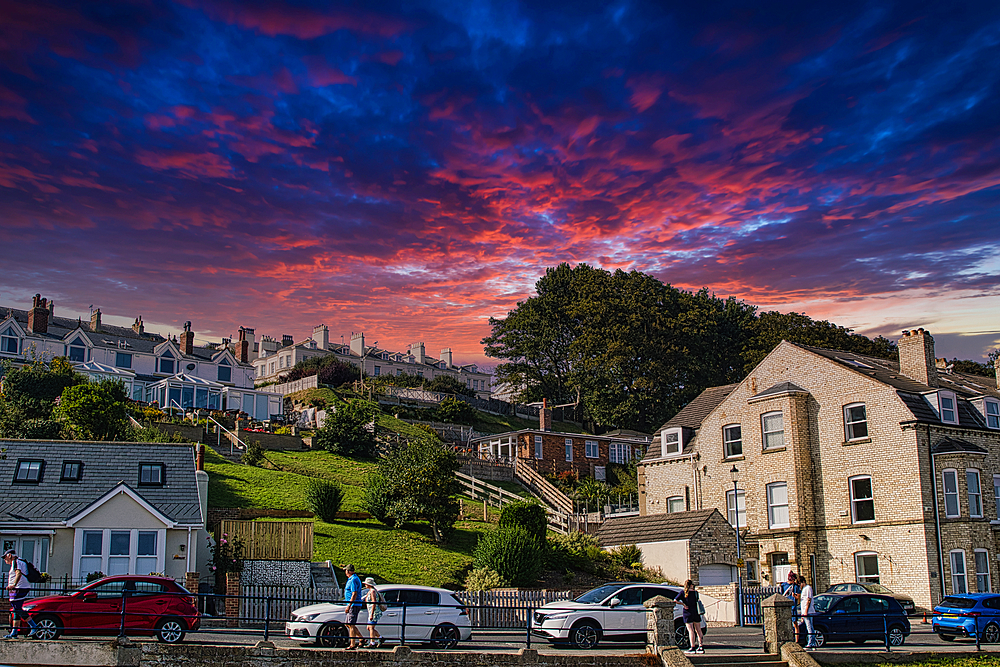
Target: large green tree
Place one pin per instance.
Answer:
(349, 429)
(96, 410)
(29, 398)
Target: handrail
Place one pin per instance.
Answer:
(542, 487)
(135, 423)
(470, 481)
(234, 436)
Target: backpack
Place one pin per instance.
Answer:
(32, 575)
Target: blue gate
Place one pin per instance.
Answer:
(752, 597)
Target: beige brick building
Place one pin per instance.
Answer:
(850, 468)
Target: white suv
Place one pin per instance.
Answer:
(614, 612)
(416, 613)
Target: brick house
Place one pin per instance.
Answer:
(698, 545)
(850, 468)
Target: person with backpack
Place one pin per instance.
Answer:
(376, 605)
(18, 586)
(792, 591)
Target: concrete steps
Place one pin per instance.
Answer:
(719, 659)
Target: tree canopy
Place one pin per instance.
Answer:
(636, 350)
(30, 396)
(349, 430)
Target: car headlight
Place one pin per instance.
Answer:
(304, 619)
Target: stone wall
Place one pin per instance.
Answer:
(270, 440)
(275, 573)
(187, 431)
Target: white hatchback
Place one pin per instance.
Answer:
(414, 613)
(614, 612)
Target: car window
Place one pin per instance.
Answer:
(148, 588)
(650, 592)
(410, 596)
(822, 602)
(598, 595)
(857, 588)
(874, 605)
(991, 603)
(836, 588)
(958, 603)
(390, 595)
(110, 589)
(851, 605)
(630, 596)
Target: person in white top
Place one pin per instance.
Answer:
(17, 590)
(806, 608)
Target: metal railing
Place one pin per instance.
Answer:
(233, 438)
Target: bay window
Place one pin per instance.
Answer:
(115, 551)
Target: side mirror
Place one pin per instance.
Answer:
(614, 602)
(89, 596)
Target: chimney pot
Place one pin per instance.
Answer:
(38, 317)
(916, 357)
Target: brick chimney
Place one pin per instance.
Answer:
(137, 326)
(446, 357)
(916, 357)
(52, 310)
(545, 416)
(243, 347)
(358, 344)
(95, 320)
(200, 459)
(187, 339)
(38, 316)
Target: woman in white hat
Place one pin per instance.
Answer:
(376, 605)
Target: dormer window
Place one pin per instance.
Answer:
(225, 371)
(28, 471)
(992, 408)
(167, 363)
(10, 343)
(947, 407)
(71, 471)
(150, 474)
(77, 352)
(671, 442)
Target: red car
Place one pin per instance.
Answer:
(153, 605)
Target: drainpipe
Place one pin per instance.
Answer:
(937, 516)
(190, 548)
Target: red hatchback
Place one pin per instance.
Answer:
(153, 605)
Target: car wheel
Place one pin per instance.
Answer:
(991, 633)
(49, 627)
(896, 636)
(819, 639)
(332, 635)
(947, 638)
(445, 636)
(681, 638)
(585, 635)
(170, 630)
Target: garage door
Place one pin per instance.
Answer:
(717, 574)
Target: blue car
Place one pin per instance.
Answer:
(843, 617)
(968, 614)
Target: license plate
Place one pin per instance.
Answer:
(949, 615)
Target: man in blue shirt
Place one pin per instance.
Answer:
(352, 594)
(792, 591)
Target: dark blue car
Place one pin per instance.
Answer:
(847, 617)
(968, 614)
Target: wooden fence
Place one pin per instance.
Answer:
(542, 487)
(507, 607)
(286, 388)
(272, 540)
(255, 606)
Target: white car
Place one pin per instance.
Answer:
(614, 612)
(415, 613)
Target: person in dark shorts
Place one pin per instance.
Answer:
(18, 587)
(691, 617)
(352, 594)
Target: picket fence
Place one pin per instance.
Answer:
(507, 607)
(254, 606)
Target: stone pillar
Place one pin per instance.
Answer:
(777, 623)
(232, 603)
(659, 623)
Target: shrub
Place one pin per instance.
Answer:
(454, 411)
(513, 553)
(627, 555)
(527, 514)
(254, 454)
(324, 498)
(350, 431)
(483, 579)
(94, 576)
(577, 543)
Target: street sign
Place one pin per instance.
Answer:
(740, 562)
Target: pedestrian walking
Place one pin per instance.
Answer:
(352, 594)
(691, 617)
(806, 610)
(791, 590)
(17, 590)
(376, 605)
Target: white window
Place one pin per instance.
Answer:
(992, 413)
(855, 421)
(736, 507)
(862, 499)
(281, 362)
(167, 363)
(378, 371)
(675, 504)
(958, 580)
(591, 449)
(975, 493)
(982, 557)
(866, 567)
(569, 449)
(732, 440)
(996, 493)
(773, 427)
(538, 447)
(670, 442)
(115, 551)
(614, 453)
(225, 371)
(777, 505)
(949, 479)
(9, 342)
(272, 368)
(948, 410)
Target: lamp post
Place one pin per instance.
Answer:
(735, 474)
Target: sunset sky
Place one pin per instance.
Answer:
(410, 169)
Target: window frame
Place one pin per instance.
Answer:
(727, 443)
(955, 576)
(10, 335)
(950, 395)
(772, 506)
(996, 494)
(675, 499)
(866, 578)
(979, 573)
(38, 478)
(764, 433)
(71, 349)
(978, 495)
(153, 464)
(987, 402)
(849, 425)
(733, 508)
(587, 445)
(539, 449)
(569, 450)
(224, 365)
(954, 494)
(855, 501)
(663, 442)
(63, 477)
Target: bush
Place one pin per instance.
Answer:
(94, 576)
(627, 555)
(324, 498)
(454, 411)
(349, 431)
(527, 514)
(483, 579)
(254, 454)
(513, 553)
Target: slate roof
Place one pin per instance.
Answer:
(653, 528)
(105, 465)
(781, 388)
(694, 413)
(956, 445)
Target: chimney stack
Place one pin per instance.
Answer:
(200, 459)
(287, 340)
(417, 350)
(243, 347)
(95, 320)
(321, 335)
(137, 326)
(545, 416)
(916, 357)
(446, 357)
(52, 310)
(38, 317)
(358, 344)
(187, 339)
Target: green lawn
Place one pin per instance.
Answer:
(941, 660)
